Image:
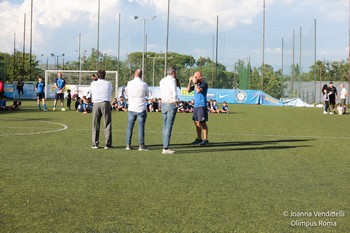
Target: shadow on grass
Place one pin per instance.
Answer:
(236, 146)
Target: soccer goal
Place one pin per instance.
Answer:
(78, 81)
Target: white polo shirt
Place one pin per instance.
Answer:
(343, 93)
(101, 91)
(137, 91)
(168, 92)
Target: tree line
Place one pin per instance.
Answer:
(15, 66)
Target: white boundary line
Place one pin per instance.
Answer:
(64, 127)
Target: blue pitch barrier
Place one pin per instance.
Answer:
(231, 96)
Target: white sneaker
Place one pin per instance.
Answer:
(325, 112)
(331, 113)
(127, 147)
(168, 152)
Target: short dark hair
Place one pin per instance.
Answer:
(171, 71)
(101, 74)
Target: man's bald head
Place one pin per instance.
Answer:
(198, 76)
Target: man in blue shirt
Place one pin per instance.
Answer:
(40, 93)
(60, 85)
(200, 111)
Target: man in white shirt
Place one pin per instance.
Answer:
(137, 91)
(101, 92)
(169, 98)
(343, 96)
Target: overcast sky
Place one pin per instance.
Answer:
(57, 24)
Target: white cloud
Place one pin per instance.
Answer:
(201, 15)
(49, 18)
(276, 51)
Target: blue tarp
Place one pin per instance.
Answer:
(242, 97)
(231, 96)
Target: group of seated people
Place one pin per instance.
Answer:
(213, 107)
(120, 105)
(84, 105)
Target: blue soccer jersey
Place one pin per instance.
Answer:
(200, 99)
(225, 108)
(40, 87)
(61, 83)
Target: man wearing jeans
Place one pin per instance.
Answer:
(169, 109)
(137, 91)
(101, 91)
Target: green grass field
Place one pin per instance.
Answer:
(263, 165)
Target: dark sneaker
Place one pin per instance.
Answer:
(108, 147)
(144, 148)
(204, 143)
(197, 141)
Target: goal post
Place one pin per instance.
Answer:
(78, 81)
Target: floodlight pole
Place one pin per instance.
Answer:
(349, 58)
(144, 43)
(263, 49)
(166, 41)
(31, 40)
(79, 59)
(57, 56)
(98, 37)
(154, 66)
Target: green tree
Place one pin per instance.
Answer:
(274, 81)
(13, 67)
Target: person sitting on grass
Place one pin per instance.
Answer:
(121, 104)
(181, 107)
(150, 106)
(77, 102)
(224, 108)
(341, 109)
(87, 105)
(214, 107)
(114, 104)
(159, 109)
(189, 107)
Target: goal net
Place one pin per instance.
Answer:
(77, 81)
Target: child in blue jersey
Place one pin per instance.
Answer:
(214, 107)
(87, 106)
(224, 108)
(60, 85)
(40, 93)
